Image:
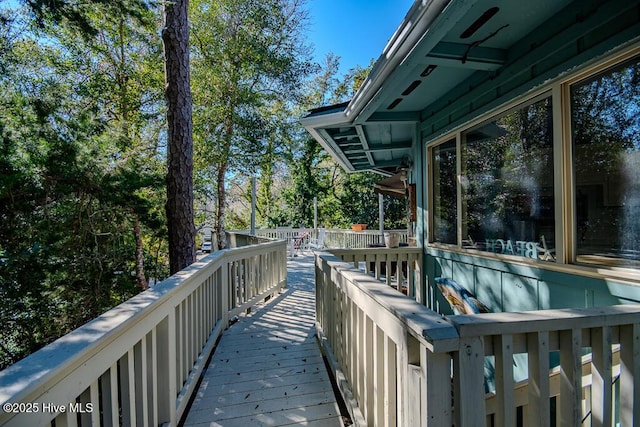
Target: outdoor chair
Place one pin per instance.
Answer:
(299, 243)
(545, 253)
(318, 244)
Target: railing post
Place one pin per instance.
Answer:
(469, 383)
(436, 400)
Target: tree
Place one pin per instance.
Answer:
(78, 174)
(179, 206)
(247, 55)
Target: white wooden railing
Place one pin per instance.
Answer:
(334, 238)
(400, 363)
(138, 364)
(358, 239)
(398, 267)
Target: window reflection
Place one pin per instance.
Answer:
(606, 146)
(507, 183)
(445, 218)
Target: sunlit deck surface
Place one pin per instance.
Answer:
(267, 369)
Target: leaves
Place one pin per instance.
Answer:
(79, 169)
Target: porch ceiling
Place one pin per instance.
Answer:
(442, 50)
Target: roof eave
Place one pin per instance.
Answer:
(413, 27)
(315, 124)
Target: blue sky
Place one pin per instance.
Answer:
(355, 30)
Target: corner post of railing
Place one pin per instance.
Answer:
(468, 373)
(427, 401)
(436, 399)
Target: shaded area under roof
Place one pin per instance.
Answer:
(392, 186)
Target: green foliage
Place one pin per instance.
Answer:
(79, 167)
(248, 57)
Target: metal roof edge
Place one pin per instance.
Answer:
(411, 30)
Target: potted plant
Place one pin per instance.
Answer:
(359, 223)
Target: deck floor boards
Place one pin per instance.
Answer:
(267, 369)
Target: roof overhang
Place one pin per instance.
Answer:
(447, 57)
(394, 185)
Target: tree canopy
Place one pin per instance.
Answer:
(85, 141)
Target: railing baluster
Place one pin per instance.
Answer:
(436, 401)
(601, 372)
(570, 399)
(154, 377)
(629, 374)
(94, 399)
(539, 406)
(131, 384)
(391, 382)
(379, 365)
(113, 394)
(143, 380)
(506, 413)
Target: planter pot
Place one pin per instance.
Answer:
(358, 227)
(391, 240)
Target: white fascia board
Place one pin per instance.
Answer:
(314, 126)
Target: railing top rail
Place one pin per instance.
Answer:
(544, 320)
(53, 362)
(425, 324)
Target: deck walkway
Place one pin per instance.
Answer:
(267, 369)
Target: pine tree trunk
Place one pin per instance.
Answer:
(179, 207)
(222, 200)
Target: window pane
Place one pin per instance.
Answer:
(606, 146)
(445, 217)
(507, 183)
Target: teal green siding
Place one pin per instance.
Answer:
(512, 287)
(580, 33)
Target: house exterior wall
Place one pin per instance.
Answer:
(541, 65)
(511, 286)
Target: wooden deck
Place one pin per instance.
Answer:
(267, 369)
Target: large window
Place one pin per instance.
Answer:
(494, 189)
(605, 114)
(445, 218)
(507, 183)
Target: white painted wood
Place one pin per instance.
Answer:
(506, 415)
(436, 402)
(94, 400)
(570, 399)
(267, 368)
(539, 406)
(113, 391)
(172, 314)
(376, 261)
(601, 387)
(629, 374)
(131, 384)
(469, 386)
